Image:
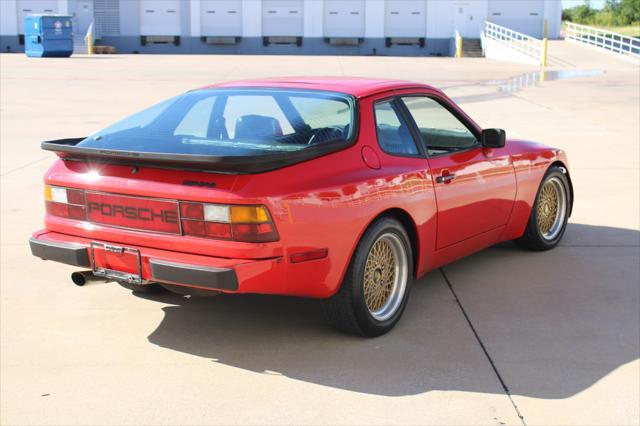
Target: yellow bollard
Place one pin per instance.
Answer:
(89, 44)
(545, 31)
(458, 47)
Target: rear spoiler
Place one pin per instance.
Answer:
(67, 150)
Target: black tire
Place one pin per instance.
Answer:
(347, 310)
(152, 288)
(533, 238)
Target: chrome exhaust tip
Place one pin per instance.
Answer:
(82, 278)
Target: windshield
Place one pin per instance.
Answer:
(233, 122)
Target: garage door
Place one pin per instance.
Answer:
(221, 18)
(405, 18)
(525, 16)
(344, 18)
(160, 18)
(282, 18)
(34, 7)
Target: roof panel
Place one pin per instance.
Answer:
(356, 86)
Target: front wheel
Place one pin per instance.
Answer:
(376, 286)
(550, 213)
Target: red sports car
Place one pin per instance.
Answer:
(341, 189)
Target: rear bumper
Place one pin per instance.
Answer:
(194, 275)
(71, 254)
(204, 272)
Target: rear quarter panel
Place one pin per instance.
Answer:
(329, 202)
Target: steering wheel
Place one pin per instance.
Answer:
(326, 134)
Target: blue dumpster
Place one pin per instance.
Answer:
(48, 35)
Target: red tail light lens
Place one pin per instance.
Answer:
(65, 202)
(192, 211)
(254, 232)
(218, 230)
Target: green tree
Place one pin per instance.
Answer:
(629, 12)
(614, 13)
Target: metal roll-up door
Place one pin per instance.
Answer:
(405, 22)
(221, 18)
(344, 18)
(160, 18)
(282, 18)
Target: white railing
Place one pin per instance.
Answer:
(614, 42)
(522, 43)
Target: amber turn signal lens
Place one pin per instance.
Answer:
(249, 214)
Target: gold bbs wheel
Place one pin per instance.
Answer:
(551, 209)
(385, 276)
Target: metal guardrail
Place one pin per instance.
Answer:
(614, 42)
(520, 42)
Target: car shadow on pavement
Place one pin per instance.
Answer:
(553, 323)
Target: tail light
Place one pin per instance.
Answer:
(65, 202)
(251, 224)
(236, 223)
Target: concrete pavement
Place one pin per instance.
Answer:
(559, 330)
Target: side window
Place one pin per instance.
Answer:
(393, 134)
(441, 131)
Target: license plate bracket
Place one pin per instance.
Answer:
(116, 262)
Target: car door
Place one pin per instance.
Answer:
(475, 187)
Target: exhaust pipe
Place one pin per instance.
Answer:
(86, 277)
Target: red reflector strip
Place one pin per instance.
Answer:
(309, 255)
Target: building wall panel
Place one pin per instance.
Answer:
(525, 16)
(34, 7)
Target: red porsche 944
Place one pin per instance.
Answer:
(340, 189)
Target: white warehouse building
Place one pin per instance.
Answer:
(349, 27)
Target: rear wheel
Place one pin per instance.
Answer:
(550, 213)
(376, 287)
(152, 288)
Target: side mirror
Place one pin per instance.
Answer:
(493, 138)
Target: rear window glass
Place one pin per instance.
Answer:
(222, 122)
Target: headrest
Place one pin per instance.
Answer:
(257, 126)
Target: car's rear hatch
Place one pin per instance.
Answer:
(142, 206)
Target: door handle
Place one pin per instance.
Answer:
(445, 178)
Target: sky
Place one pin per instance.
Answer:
(596, 4)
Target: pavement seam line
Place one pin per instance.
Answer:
(24, 166)
(483, 347)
